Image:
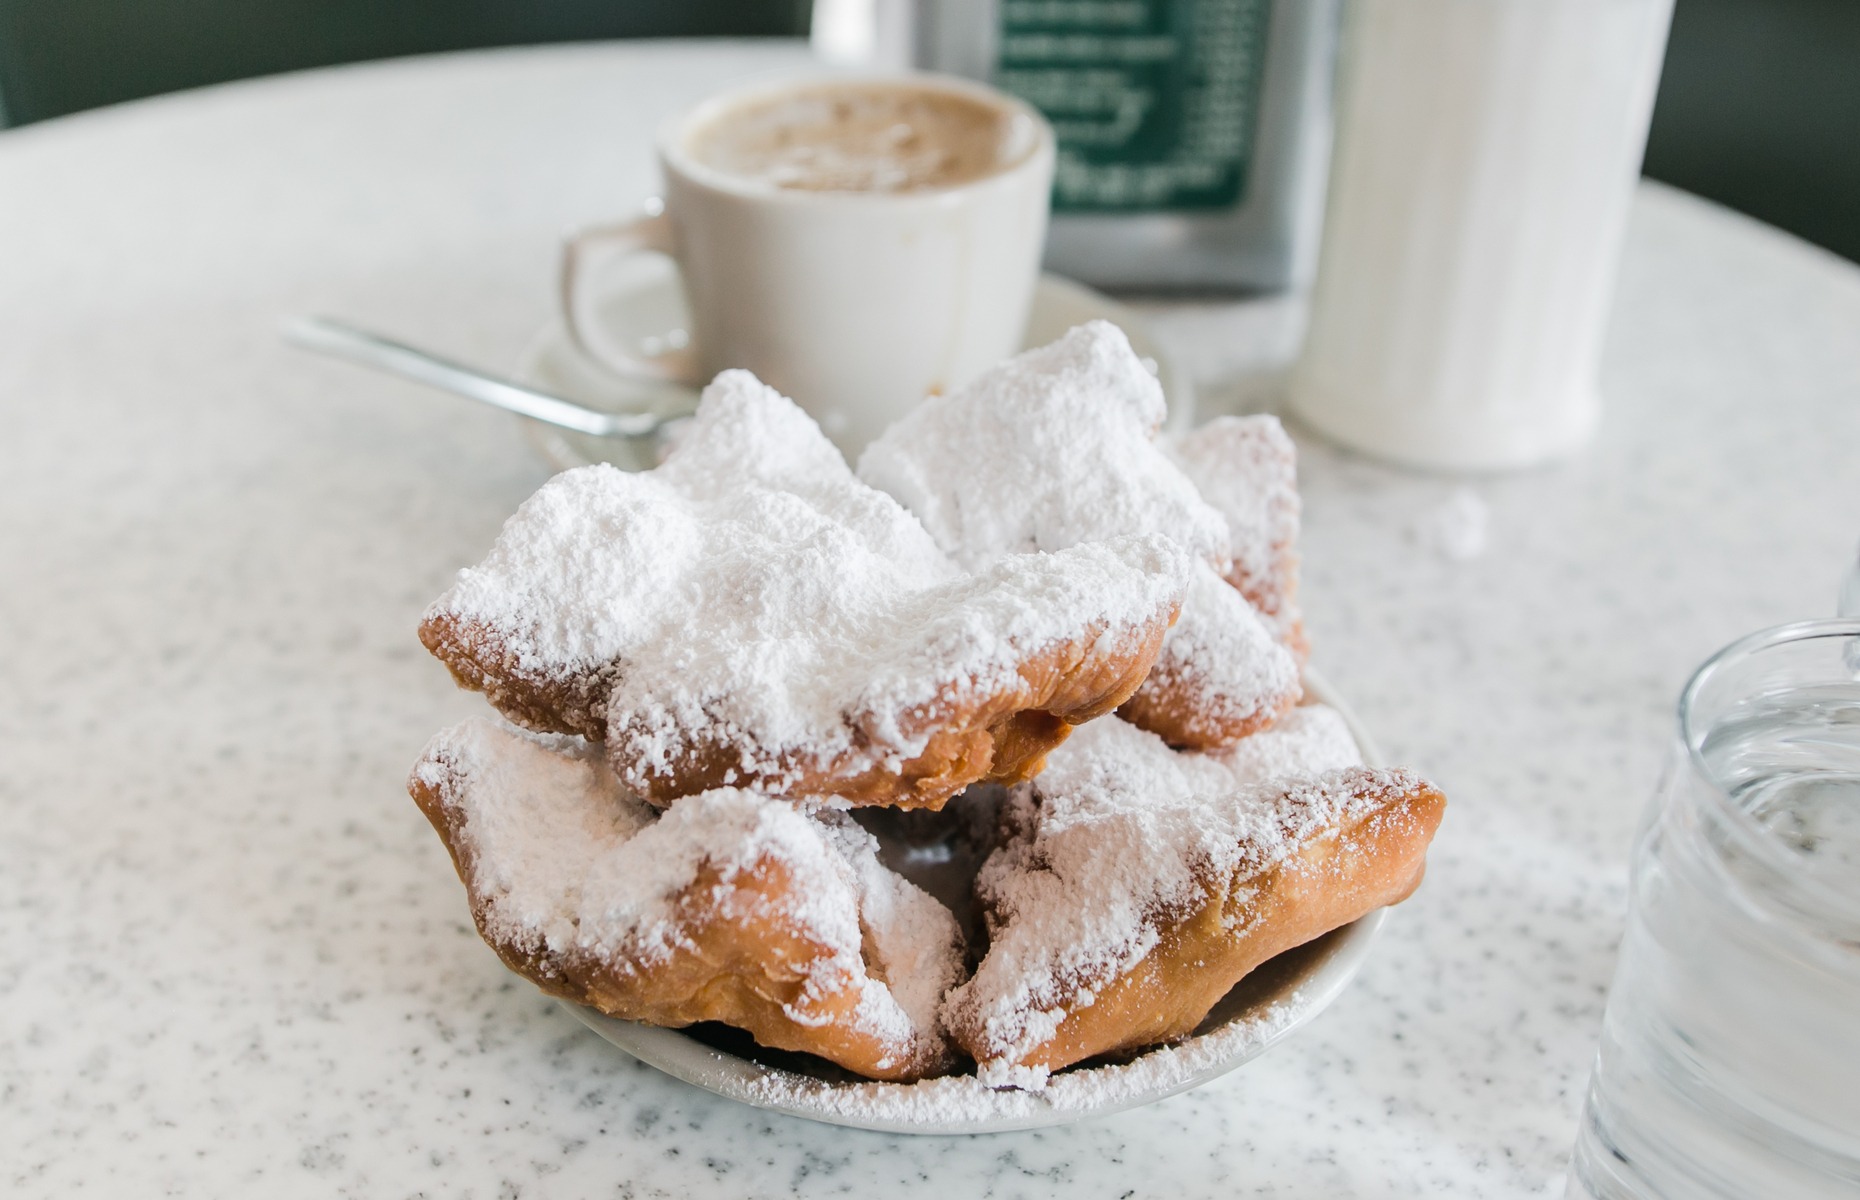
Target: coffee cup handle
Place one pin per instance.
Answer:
(581, 255)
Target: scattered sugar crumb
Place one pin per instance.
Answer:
(1455, 529)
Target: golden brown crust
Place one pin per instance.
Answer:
(1177, 713)
(1333, 878)
(738, 957)
(750, 614)
(1248, 469)
(481, 661)
(1003, 737)
(1222, 674)
(1275, 595)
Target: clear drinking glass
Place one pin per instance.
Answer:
(1730, 1055)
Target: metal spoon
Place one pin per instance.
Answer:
(371, 349)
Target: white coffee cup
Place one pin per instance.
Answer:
(856, 303)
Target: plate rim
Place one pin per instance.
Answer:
(674, 1053)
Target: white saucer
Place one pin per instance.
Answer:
(650, 311)
(1263, 1008)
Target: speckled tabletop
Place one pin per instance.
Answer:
(234, 959)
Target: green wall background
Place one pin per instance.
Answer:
(1759, 107)
(62, 56)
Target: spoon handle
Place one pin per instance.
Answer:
(370, 349)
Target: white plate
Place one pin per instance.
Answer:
(649, 311)
(1263, 1008)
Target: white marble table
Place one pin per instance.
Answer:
(233, 957)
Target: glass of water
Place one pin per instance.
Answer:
(1730, 1055)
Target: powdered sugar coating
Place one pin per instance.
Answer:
(914, 942)
(562, 864)
(1247, 468)
(1057, 447)
(1119, 834)
(1308, 741)
(849, 686)
(1049, 449)
(751, 602)
(1221, 670)
(539, 812)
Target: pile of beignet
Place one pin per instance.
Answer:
(718, 674)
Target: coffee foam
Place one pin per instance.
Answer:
(859, 137)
